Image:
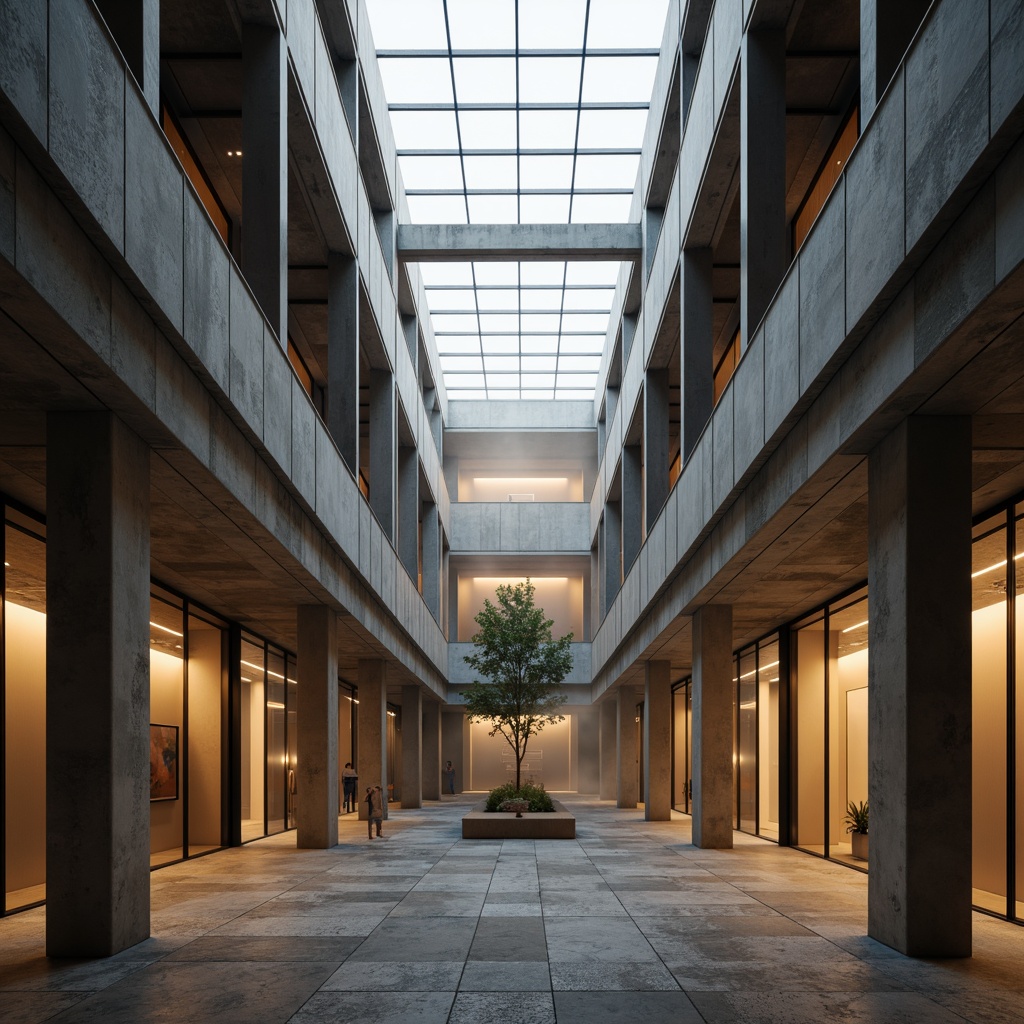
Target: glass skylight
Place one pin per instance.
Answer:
(519, 112)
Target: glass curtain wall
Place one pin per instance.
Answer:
(266, 743)
(347, 718)
(23, 682)
(830, 699)
(756, 738)
(187, 661)
(682, 746)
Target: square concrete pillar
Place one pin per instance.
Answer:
(372, 726)
(712, 727)
(383, 449)
(409, 510)
(431, 559)
(588, 750)
(343, 357)
(431, 779)
(632, 504)
(919, 687)
(611, 536)
(696, 347)
(453, 727)
(265, 171)
(412, 746)
(627, 766)
(655, 443)
(316, 798)
(97, 686)
(764, 243)
(657, 741)
(609, 749)
(886, 30)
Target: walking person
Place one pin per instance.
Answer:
(449, 775)
(348, 781)
(375, 816)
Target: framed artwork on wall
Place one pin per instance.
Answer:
(163, 762)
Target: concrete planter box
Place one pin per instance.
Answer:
(557, 824)
(859, 845)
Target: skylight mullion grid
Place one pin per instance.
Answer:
(595, 105)
(519, 212)
(517, 52)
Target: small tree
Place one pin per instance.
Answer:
(524, 666)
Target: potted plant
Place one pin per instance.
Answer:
(857, 826)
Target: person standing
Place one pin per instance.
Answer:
(449, 776)
(375, 802)
(348, 781)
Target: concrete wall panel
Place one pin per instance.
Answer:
(277, 402)
(726, 26)
(59, 261)
(132, 344)
(23, 61)
(875, 200)
(86, 137)
(153, 208)
(723, 476)
(947, 76)
(301, 22)
(1006, 21)
(245, 368)
(748, 411)
(823, 288)
(782, 353)
(959, 272)
(1009, 185)
(303, 439)
(232, 458)
(182, 403)
(206, 287)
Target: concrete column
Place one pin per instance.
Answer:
(627, 763)
(431, 750)
(657, 741)
(632, 504)
(919, 686)
(885, 33)
(432, 560)
(412, 746)
(609, 749)
(343, 356)
(452, 730)
(409, 510)
(371, 722)
(383, 449)
(265, 171)
(696, 371)
(712, 727)
(764, 245)
(136, 28)
(655, 443)
(97, 686)
(588, 756)
(612, 538)
(316, 799)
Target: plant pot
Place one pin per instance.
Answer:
(859, 842)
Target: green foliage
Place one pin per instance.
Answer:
(523, 667)
(857, 817)
(537, 796)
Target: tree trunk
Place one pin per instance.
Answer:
(519, 761)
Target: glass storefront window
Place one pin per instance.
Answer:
(278, 788)
(768, 736)
(682, 765)
(809, 652)
(167, 732)
(1017, 765)
(989, 666)
(23, 623)
(848, 718)
(252, 742)
(746, 765)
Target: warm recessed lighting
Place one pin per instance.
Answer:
(259, 668)
(856, 625)
(277, 705)
(166, 629)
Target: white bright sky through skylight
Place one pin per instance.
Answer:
(519, 112)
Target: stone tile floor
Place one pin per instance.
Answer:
(627, 923)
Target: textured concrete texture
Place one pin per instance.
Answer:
(424, 243)
(556, 824)
(626, 922)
